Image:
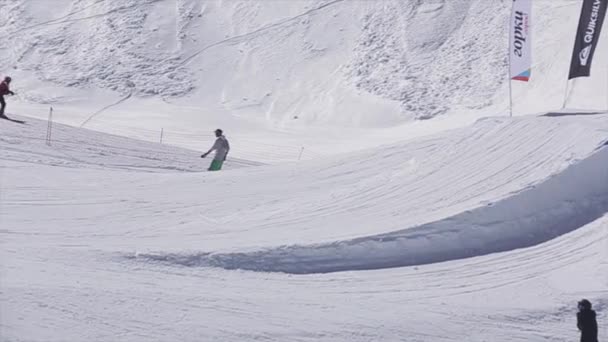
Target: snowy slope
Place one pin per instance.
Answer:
(99, 253)
(64, 292)
(83, 148)
(406, 204)
(376, 192)
(342, 63)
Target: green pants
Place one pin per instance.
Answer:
(216, 165)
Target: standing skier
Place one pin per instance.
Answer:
(221, 148)
(4, 90)
(586, 322)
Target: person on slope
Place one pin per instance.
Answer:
(221, 148)
(586, 322)
(4, 90)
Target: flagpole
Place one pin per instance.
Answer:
(509, 69)
(510, 96)
(566, 94)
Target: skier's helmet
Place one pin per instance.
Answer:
(218, 132)
(8, 79)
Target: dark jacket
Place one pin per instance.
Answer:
(587, 324)
(4, 88)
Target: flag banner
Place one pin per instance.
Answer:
(587, 37)
(520, 40)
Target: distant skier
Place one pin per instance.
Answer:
(4, 90)
(221, 148)
(586, 322)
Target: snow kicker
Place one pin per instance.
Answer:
(560, 204)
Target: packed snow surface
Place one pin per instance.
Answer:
(376, 190)
(140, 253)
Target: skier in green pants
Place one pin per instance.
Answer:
(221, 148)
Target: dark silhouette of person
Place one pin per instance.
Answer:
(4, 90)
(586, 322)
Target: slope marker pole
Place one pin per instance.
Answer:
(49, 127)
(566, 94)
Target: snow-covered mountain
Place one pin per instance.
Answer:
(344, 63)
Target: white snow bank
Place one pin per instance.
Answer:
(557, 206)
(561, 204)
(535, 213)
